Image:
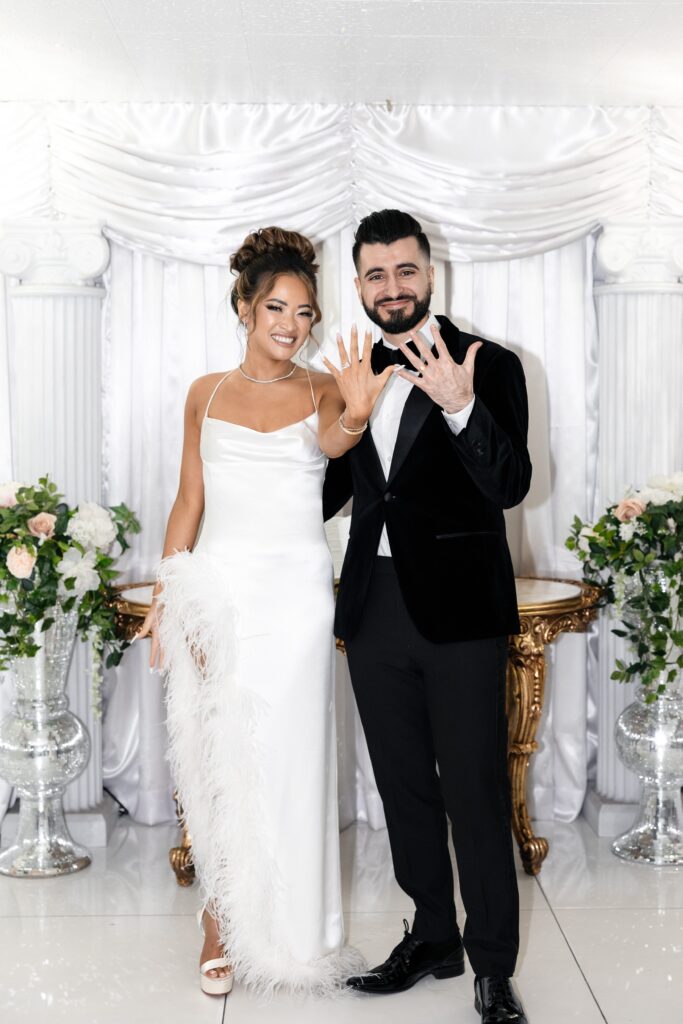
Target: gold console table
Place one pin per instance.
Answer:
(547, 607)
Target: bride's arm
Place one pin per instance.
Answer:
(333, 440)
(186, 513)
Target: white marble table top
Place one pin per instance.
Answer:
(534, 592)
(530, 593)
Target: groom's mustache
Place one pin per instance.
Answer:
(396, 298)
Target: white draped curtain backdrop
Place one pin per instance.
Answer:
(511, 198)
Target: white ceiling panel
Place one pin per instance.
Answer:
(385, 18)
(342, 51)
(144, 47)
(44, 17)
(201, 81)
(189, 18)
(68, 59)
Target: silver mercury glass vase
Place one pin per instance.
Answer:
(650, 742)
(43, 747)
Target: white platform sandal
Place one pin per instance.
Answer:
(213, 986)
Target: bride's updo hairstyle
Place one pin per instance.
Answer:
(266, 254)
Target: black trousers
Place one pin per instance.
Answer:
(434, 718)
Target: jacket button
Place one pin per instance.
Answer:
(388, 496)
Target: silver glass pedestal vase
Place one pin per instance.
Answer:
(650, 742)
(43, 747)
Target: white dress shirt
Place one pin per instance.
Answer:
(386, 416)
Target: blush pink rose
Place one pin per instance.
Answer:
(20, 562)
(629, 508)
(42, 525)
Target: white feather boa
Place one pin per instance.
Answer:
(217, 767)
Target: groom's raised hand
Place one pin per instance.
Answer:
(449, 384)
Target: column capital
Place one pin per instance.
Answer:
(640, 256)
(53, 253)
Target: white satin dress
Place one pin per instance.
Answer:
(246, 630)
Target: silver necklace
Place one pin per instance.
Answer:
(256, 380)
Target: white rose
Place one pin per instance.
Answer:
(626, 530)
(671, 523)
(672, 485)
(8, 493)
(81, 568)
(654, 496)
(582, 541)
(92, 526)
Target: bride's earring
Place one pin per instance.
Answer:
(300, 356)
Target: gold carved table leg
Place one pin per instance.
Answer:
(181, 856)
(525, 688)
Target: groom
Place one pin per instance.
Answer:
(426, 601)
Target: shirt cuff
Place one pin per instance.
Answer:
(457, 421)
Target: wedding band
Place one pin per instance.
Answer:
(345, 366)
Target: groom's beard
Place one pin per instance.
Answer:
(398, 321)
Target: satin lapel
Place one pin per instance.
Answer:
(376, 364)
(416, 410)
(370, 442)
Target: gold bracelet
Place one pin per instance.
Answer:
(353, 431)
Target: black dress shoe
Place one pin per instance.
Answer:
(412, 960)
(495, 1000)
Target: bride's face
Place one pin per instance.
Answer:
(283, 319)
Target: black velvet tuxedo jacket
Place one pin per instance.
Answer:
(442, 504)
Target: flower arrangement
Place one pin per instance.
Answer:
(634, 553)
(51, 554)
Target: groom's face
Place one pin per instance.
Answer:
(395, 284)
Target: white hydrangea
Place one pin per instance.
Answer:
(92, 526)
(619, 593)
(626, 530)
(81, 568)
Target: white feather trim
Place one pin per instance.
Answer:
(217, 767)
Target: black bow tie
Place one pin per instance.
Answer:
(382, 356)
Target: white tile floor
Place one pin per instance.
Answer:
(601, 941)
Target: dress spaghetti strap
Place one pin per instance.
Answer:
(310, 384)
(213, 393)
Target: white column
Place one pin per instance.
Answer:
(54, 356)
(639, 300)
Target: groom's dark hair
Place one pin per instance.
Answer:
(387, 226)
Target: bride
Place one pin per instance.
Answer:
(242, 623)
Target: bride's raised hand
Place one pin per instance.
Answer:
(150, 627)
(358, 385)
